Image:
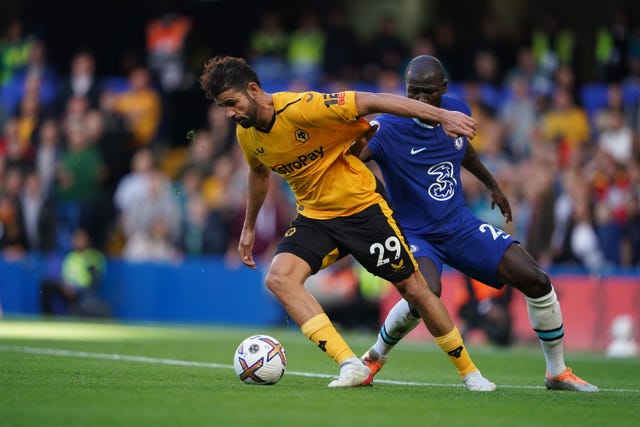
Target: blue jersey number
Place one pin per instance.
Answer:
(495, 232)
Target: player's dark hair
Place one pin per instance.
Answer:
(222, 73)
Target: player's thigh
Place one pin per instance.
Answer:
(375, 240)
(430, 273)
(519, 269)
(477, 249)
(429, 258)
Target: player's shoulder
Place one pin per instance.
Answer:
(389, 119)
(283, 98)
(453, 103)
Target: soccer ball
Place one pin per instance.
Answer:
(260, 359)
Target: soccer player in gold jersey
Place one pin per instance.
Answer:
(305, 138)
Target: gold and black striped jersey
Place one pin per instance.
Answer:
(308, 145)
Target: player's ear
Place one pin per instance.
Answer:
(253, 89)
(445, 84)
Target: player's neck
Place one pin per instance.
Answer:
(266, 115)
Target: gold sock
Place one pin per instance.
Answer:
(453, 345)
(320, 330)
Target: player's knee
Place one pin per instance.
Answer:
(539, 284)
(412, 290)
(276, 282)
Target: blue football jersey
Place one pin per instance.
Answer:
(421, 165)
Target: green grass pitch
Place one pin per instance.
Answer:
(72, 373)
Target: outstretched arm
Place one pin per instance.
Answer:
(454, 123)
(258, 187)
(473, 164)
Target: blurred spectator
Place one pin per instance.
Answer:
(38, 214)
(136, 183)
(449, 47)
(187, 186)
(536, 179)
(153, 244)
(37, 78)
(81, 81)
(75, 293)
(166, 38)
(267, 47)
(13, 238)
(491, 42)
(608, 232)
(79, 188)
(584, 243)
(218, 187)
(486, 72)
(340, 49)
(12, 151)
(222, 129)
(631, 234)
(15, 49)
(155, 214)
(615, 100)
(74, 113)
(167, 42)
(565, 76)
(28, 121)
(538, 82)
(610, 47)
(203, 231)
(569, 183)
(202, 150)
(48, 152)
(489, 128)
(141, 107)
(565, 124)
(306, 49)
(423, 44)
(386, 50)
(112, 147)
(12, 181)
(610, 182)
(616, 137)
(519, 116)
(390, 82)
(553, 44)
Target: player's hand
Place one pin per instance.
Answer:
(455, 124)
(245, 248)
(498, 198)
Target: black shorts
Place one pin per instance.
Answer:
(371, 236)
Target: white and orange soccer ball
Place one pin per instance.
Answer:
(260, 359)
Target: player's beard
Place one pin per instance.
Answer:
(250, 118)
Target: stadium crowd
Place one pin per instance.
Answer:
(115, 156)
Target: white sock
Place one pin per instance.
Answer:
(398, 323)
(545, 317)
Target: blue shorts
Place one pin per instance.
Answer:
(475, 249)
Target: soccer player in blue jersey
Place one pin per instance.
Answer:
(420, 165)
